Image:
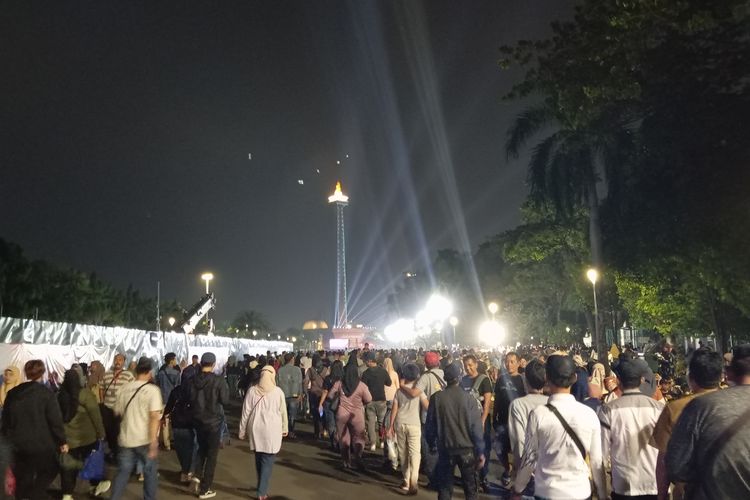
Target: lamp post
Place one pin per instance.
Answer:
(207, 277)
(171, 321)
(593, 275)
(454, 323)
(493, 308)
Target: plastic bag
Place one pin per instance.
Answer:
(390, 445)
(93, 467)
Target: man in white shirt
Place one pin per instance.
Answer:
(555, 455)
(139, 405)
(520, 409)
(627, 425)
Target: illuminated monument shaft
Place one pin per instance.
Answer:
(341, 201)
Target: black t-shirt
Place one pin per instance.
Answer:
(505, 394)
(484, 387)
(376, 379)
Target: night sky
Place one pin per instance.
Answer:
(126, 130)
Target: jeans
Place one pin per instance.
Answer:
(263, 466)
(127, 458)
(330, 422)
(292, 407)
(186, 446)
(375, 414)
(314, 403)
(208, 452)
(487, 451)
(444, 474)
(429, 459)
(34, 472)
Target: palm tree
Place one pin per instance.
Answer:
(247, 321)
(566, 167)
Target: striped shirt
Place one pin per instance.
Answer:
(112, 384)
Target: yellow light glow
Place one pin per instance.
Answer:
(338, 195)
(593, 275)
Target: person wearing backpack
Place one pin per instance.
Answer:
(83, 428)
(178, 410)
(480, 387)
(509, 386)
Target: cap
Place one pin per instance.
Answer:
(208, 358)
(452, 372)
(431, 359)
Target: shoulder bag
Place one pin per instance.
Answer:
(568, 430)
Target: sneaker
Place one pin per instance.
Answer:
(505, 480)
(185, 478)
(67, 497)
(382, 445)
(102, 488)
(372, 447)
(195, 485)
(141, 478)
(208, 494)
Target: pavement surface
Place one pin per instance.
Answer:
(304, 469)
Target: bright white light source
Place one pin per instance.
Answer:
(493, 307)
(492, 333)
(593, 275)
(300, 182)
(454, 321)
(400, 330)
(438, 308)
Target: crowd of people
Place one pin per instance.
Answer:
(562, 423)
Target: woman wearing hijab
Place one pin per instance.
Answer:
(335, 374)
(314, 378)
(11, 379)
(96, 375)
(83, 428)
(350, 418)
(264, 422)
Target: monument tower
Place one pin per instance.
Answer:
(341, 318)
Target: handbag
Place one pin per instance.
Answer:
(93, 467)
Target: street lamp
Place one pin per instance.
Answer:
(171, 321)
(255, 333)
(454, 323)
(493, 307)
(492, 333)
(593, 275)
(207, 277)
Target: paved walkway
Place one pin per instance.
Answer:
(305, 470)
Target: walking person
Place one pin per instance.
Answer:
(454, 431)
(83, 430)
(508, 387)
(289, 380)
(208, 394)
(315, 379)
(33, 424)
(406, 425)
(264, 422)
(179, 412)
(624, 422)
(376, 378)
(167, 378)
(330, 406)
(350, 417)
(139, 407)
(480, 387)
(11, 379)
(113, 381)
(559, 437)
(390, 393)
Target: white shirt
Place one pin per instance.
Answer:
(551, 455)
(627, 425)
(518, 418)
(264, 419)
(136, 418)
